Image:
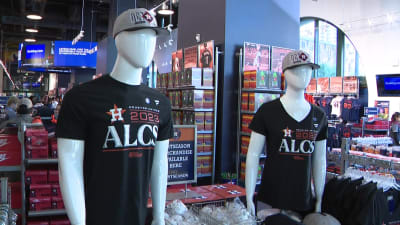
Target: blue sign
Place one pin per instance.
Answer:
(82, 54)
(392, 83)
(35, 51)
(370, 111)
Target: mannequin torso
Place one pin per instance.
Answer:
(297, 118)
(131, 139)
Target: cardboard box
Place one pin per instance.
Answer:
(181, 79)
(262, 79)
(176, 79)
(208, 120)
(274, 80)
(208, 143)
(200, 142)
(37, 152)
(53, 177)
(199, 120)
(245, 101)
(55, 190)
(208, 102)
(184, 118)
(208, 77)
(41, 203)
(170, 80)
(247, 79)
(57, 203)
(36, 137)
(252, 102)
(36, 176)
(39, 190)
(253, 79)
(10, 150)
(193, 77)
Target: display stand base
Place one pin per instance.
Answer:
(182, 195)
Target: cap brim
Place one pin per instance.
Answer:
(159, 31)
(314, 66)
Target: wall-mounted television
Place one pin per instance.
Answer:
(83, 54)
(36, 55)
(388, 85)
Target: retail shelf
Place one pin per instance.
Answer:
(261, 156)
(10, 168)
(245, 133)
(204, 153)
(204, 175)
(193, 109)
(205, 132)
(189, 88)
(248, 112)
(41, 161)
(271, 91)
(377, 130)
(51, 212)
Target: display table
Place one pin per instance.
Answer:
(208, 193)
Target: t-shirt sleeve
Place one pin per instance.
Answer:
(323, 133)
(257, 124)
(72, 121)
(166, 130)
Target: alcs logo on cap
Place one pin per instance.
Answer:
(297, 58)
(141, 17)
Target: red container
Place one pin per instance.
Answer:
(36, 176)
(60, 222)
(57, 203)
(10, 150)
(40, 190)
(36, 137)
(53, 177)
(55, 190)
(53, 147)
(37, 152)
(16, 197)
(41, 203)
(38, 223)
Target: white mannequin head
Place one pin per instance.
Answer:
(137, 47)
(297, 78)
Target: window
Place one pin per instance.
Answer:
(307, 36)
(349, 58)
(327, 50)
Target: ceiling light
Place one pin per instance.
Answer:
(30, 40)
(31, 30)
(164, 10)
(34, 17)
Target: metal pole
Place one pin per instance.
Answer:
(216, 66)
(4, 190)
(240, 55)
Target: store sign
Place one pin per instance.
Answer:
(182, 155)
(82, 54)
(350, 85)
(323, 85)
(383, 109)
(336, 85)
(370, 111)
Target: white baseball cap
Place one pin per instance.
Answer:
(136, 19)
(297, 58)
(27, 102)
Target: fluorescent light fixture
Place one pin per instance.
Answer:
(165, 10)
(30, 40)
(31, 30)
(34, 17)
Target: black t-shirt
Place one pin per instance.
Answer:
(286, 179)
(120, 125)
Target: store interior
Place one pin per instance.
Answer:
(224, 82)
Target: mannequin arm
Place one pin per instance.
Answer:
(159, 175)
(256, 146)
(70, 166)
(319, 171)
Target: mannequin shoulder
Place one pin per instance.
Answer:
(270, 106)
(157, 95)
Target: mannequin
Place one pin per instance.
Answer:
(133, 144)
(298, 71)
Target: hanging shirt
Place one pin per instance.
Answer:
(336, 105)
(286, 180)
(120, 125)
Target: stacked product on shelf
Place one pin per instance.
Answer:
(190, 88)
(42, 178)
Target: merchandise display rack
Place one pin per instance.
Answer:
(239, 156)
(214, 110)
(25, 163)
